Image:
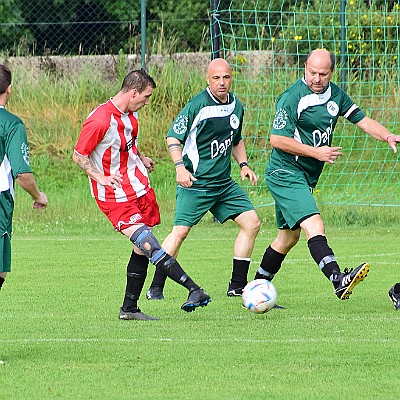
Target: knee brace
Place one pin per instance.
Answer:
(144, 239)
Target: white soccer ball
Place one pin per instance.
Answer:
(259, 296)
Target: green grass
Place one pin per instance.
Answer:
(61, 337)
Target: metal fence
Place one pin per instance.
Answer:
(96, 27)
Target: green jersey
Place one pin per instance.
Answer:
(208, 129)
(309, 118)
(14, 160)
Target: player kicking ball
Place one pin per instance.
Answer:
(107, 150)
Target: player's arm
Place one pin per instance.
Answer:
(147, 161)
(292, 146)
(239, 154)
(376, 130)
(86, 164)
(27, 182)
(183, 176)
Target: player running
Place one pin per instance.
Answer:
(202, 140)
(306, 116)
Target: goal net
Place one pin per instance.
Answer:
(266, 43)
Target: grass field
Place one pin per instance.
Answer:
(60, 336)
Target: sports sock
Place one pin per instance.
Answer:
(1, 282)
(239, 272)
(323, 256)
(159, 279)
(396, 288)
(136, 272)
(169, 266)
(270, 264)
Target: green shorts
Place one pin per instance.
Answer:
(223, 202)
(5, 251)
(294, 201)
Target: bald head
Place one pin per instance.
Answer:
(319, 67)
(219, 78)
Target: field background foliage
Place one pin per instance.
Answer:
(60, 336)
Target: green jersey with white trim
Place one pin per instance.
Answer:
(208, 129)
(309, 118)
(14, 160)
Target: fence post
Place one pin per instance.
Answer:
(143, 33)
(343, 45)
(215, 31)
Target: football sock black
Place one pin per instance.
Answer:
(136, 272)
(171, 267)
(396, 288)
(270, 264)
(239, 272)
(1, 282)
(159, 279)
(323, 256)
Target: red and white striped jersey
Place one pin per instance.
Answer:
(109, 137)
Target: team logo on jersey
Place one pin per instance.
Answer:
(333, 108)
(280, 119)
(180, 124)
(234, 121)
(25, 153)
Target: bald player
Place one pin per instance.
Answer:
(202, 140)
(301, 138)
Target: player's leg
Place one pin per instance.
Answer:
(5, 254)
(394, 295)
(276, 252)
(2, 278)
(231, 202)
(323, 255)
(142, 237)
(191, 205)
(171, 244)
(136, 272)
(249, 224)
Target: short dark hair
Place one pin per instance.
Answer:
(331, 55)
(138, 79)
(5, 78)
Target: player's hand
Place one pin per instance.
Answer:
(41, 202)
(328, 154)
(148, 163)
(183, 177)
(392, 142)
(246, 171)
(113, 180)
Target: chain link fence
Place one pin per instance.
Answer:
(98, 27)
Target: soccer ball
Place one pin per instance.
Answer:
(259, 296)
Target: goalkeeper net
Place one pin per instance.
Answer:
(266, 43)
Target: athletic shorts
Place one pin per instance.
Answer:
(5, 251)
(223, 202)
(143, 210)
(294, 201)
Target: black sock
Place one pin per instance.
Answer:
(136, 272)
(396, 288)
(159, 279)
(169, 266)
(323, 256)
(270, 264)
(1, 282)
(239, 272)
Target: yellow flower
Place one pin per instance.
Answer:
(272, 39)
(298, 37)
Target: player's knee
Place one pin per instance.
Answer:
(144, 239)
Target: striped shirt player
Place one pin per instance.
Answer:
(202, 140)
(107, 150)
(306, 116)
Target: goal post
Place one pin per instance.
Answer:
(266, 42)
